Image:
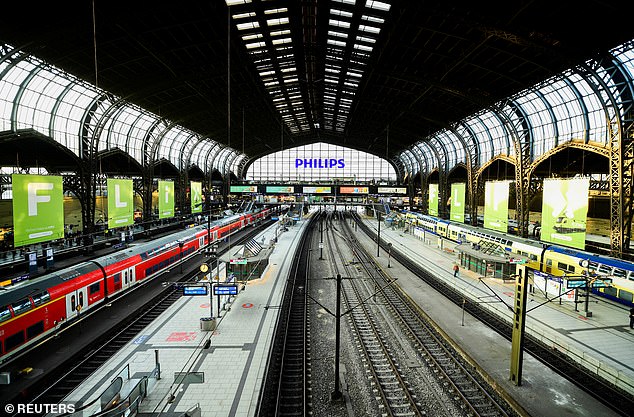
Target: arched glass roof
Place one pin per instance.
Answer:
(36, 95)
(318, 162)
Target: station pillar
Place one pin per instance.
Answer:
(519, 320)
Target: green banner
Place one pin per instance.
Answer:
(456, 212)
(166, 199)
(564, 211)
(496, 205)
(433, 199)
(196, 194)
(38, 208)
(120, 203)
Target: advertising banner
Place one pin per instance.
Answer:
(564, 211)
(456, 211)
(496, 205)
(120, 203)
(196, 196)
(166, 199)
(286, 189)
(244, 188)
(433, 199)
(392, 190)
(317, 190)
(38, 208)
(353, 190)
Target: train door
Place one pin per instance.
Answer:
(215, 236)
(201, 242)
(76, 301)
(127, 277)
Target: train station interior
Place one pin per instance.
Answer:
(317, 207)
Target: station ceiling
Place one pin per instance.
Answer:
(294, 72)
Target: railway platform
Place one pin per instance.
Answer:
(603, 343)
(223, 368)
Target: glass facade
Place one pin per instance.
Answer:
(321, 162)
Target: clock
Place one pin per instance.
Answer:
(204, 268)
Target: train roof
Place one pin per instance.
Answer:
(617, 263)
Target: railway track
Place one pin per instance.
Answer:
(396, 393)
(287, 390)
(602, 390)
(71, 374)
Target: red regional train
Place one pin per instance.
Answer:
(31, 310)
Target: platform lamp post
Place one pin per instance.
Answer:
(389, 254)
(378, 234)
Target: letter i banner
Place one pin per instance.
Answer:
(120, 203)
(166, 199)
(38, 208)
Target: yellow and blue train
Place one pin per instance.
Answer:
(542, 256)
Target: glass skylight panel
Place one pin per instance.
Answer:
(363, 47)
(342, 13)
(266, 73)
(369, 29)
(248, 25)
(373, 19)
(280, 32)
(243, 15)
(274, 11)
(336, 43)
(365, 39)
(254, 45)
(337, 34)
(281, 41)
(338, 23)
(252, 36)
(345, 1)
(278, 21)
(377, 5)
(236, 2)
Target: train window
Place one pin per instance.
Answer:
(94, 288)
(73, 302)
(148, 272)
(125, 277)
(41, 298)
(117, 278)
(625, 295)
(13, 341)
(610, 291)
(605, 269)
(532, 257)
(34, 330)
(81, 299)
(565, 267)
(5, 314)
(592, 266)
(619, 273)
(549, 262)
(21, 306)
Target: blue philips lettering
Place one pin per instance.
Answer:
(299, 162)
(308, 163)
(340, 163)
(332, 163)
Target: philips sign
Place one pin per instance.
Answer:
(319, 163)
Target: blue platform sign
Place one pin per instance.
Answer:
(198, 290)
(226, 289)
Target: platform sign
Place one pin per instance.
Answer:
(166, 199)
(197, 290)
(196, 196)
(433, 199)
(496, 205)
(575, 283)
(244, 189)
(120, 202)
(456, 211)
(38, 208)
(564, 211)
(238, 261)
(225, 289)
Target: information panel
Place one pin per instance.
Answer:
(244, 188)
(120, 202)
(197, 290)
(225, 289)
(38, 208)
(285, 189)
(456, 211)
(496, 205)
(317, 190)
(196, 196)
(353, 190)
(166, 199)
(433, 199)
(392, 190)
(564, 211)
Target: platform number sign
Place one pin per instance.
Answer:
(196, 192)
(166, 199)
(120, 203)
(38, 208)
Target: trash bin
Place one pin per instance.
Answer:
(207, 324)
